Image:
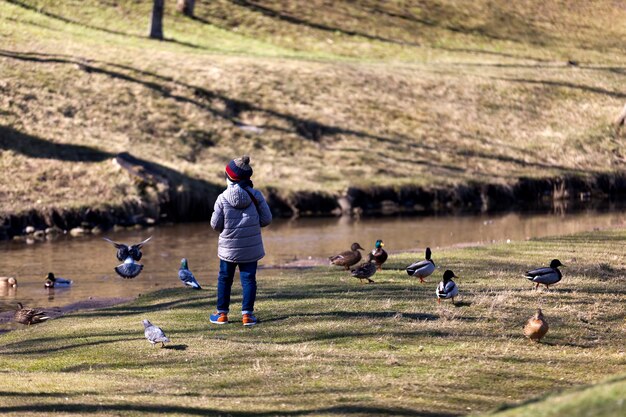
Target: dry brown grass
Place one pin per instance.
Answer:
(429, 93)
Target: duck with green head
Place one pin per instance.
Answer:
(54, 282)
(379, 254)
(447, 289)
(546, 276)
(422, 269)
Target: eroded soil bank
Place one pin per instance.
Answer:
(166, 196)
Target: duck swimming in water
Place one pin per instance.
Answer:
(546, 276)
(54, 282)
(129, 255)
(347, 258)
(422, 269)
(8, 282)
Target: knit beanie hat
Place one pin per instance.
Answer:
(239, 169)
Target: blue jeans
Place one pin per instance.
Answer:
(247, 274)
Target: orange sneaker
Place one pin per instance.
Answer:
(219, 318)
(249, 320)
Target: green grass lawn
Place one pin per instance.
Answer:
(323, 95)
(328, 345)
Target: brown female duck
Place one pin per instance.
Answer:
(347, 258)
(536, 327)
(29, 316)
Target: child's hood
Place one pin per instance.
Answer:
(237, 197)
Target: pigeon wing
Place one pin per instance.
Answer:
(187, 277)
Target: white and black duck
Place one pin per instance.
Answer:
(422, 269)
(154, 334)
(54, 282)
(186, 276)
(447, 289)
(365, 271)
(129, 255)
(546, 276)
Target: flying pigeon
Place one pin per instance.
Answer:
(154, 334)
(129, 255)
(186, 276)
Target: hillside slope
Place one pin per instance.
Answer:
(601, 400)
(323, 95)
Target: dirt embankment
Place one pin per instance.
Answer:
(168, 196)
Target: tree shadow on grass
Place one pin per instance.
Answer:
(34, 147)
(166, 409)
(358, 314)
(319, 26)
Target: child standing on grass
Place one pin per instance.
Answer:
(239, 213)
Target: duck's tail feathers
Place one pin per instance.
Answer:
(39, 319)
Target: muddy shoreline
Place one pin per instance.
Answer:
(169, 198)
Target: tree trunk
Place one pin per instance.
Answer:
(186, 7)
(156, 24)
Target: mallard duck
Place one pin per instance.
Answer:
(536, 327)
(347, 258)
(186, 276)
(546, 276)
(447, 288)
(154, 334)
(379, 254)
(29, 315)
(8, 282)
(129, 255)
(365, 270)
(54, 282)
(422, 269)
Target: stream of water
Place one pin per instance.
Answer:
(89, 261)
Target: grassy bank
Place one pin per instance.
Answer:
(323, 95)
(331, 346)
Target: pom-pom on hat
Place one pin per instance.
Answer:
(239, 169)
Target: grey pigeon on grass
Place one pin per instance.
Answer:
(186, 276)
(154, 334)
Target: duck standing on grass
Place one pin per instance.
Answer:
(447, 288)
(379, 254)
(365, 270)
(154, 334)
(29, 316)
(546, 276)
(347, 258)
(186, 276)
(422, 269)
(536, 327)
(54, 282)
(129, 255)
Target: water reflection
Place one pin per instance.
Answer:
(89, 260)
